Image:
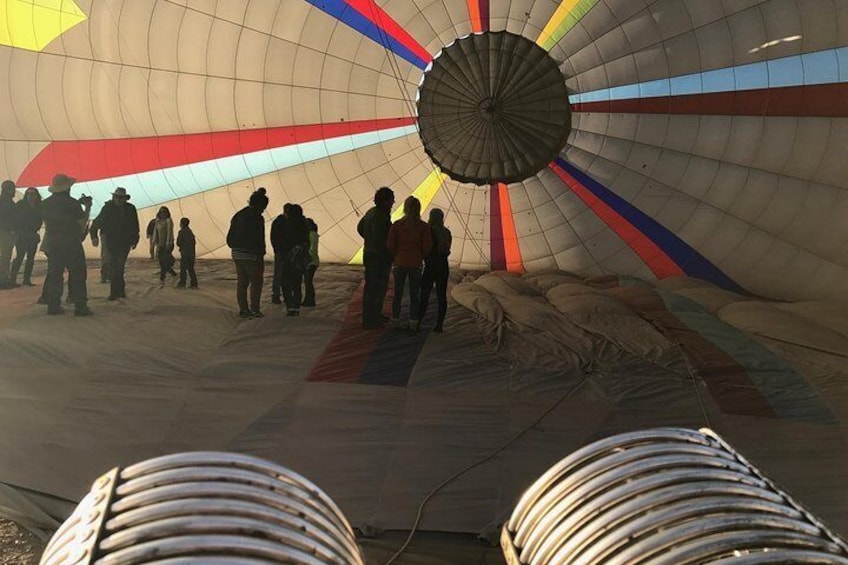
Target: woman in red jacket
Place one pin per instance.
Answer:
(409, 242)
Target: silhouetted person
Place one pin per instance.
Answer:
(246, 238)
(28, 224)
(290, 239)
(65, 227)
(8, 229)
(278, 228)
(187, 244)
(409, 242)
(436, 269)
(374, 228)
(163, 240)
(314, 262)
(151, 226)
(118, 224)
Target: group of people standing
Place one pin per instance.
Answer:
(402, 247)
(66, 221)
(160, 235)
(294, 239)
(405, 244)
(66, 224)
(20, 224)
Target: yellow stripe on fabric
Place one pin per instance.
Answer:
(565, 17)
(425, 192)
(33, 24)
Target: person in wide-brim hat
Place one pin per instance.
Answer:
(61, 183)
(121, 193)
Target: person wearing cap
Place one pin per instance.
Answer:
(374, 228)
(29, 223)
(65, 228)
(118, 224)
(8, 231)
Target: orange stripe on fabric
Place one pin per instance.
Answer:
(510, 236)
(476, 20)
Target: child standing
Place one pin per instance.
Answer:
(186, 242)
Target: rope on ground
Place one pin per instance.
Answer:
(490, 456)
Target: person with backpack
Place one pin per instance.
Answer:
(409, 242)
(246, 239)
(314, 261)
(290, 239)
(436, 269)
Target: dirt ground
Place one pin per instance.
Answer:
(18, 546)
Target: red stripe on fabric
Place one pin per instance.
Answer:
(654, 257)
(89, 160)
(814, 101)
(727, 380)
(484, 14)
(346, 356)
(497, 252)
(382, 20)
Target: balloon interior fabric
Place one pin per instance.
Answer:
(493, 107)
(680, 259)
(705, 137)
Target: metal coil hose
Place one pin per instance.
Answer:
(204, 507)
(665, 496)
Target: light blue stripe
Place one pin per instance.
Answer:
(822, 67)
(155, 187)
(788, 71)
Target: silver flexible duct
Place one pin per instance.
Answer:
(204, 507)
(665, 496)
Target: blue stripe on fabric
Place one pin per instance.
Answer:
(821, 67)
(343, 12)
(786, 391)
(688, 259)
(152, 188)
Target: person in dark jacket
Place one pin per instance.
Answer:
(314, 262)
(374, 228)
(246, 238)
(187, 244)
(118, 223)
(8, 231)
(29, 223)
(291, 255)
(65, 228)
(436, 269)
(278, 229)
